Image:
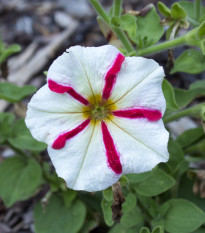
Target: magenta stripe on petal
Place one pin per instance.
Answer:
(150, 114)
(112, 156)
(59, 143)
(55, 87)
(110, 77)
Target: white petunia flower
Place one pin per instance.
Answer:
(100, 114)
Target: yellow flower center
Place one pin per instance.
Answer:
(98, 109)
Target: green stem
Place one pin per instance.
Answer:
(121, 35)
(117, 7)
(98, 7)
(193, 111)
(123, 38)
(163, 46)
(197, 9)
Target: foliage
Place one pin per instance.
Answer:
(6, 52)
(13, 93)
(158, 201)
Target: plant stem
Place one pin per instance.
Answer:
(123, 38)
(193, 111)
(197, 9)
(163, 46)
(98, 7)
(121, 35)
(117, 7)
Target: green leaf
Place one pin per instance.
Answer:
(88, 226)
(13, 93)
(169, 95)
(176, 156)
(93, 200)
(107, 212)
(182, 216)
(177, 12)
(8, 117)
(188, 6)
(128, 23)
(132, 218)
(130, 203)
(185, 191)
(123, 180)
(15, 48)
(69, 196)
(190, 136)
(19, 179)
(190, 61)
(119, 228)
(144, 230)
(149, 204)
(22, 139)
(184, 97)
(196, 37)
(197, 149)
(201, 31)
(6, 121)
(163, 9)
(56, 217)
(200, 230)
(149, 29)
(115, 20)
(158, 229)
(155, 184)
(107, 194)
(136, 178)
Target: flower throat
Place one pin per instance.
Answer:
(98, 109)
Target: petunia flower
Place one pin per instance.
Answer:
(100, 114)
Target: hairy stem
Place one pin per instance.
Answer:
(117, 7)
(197, 9)
(117, 30)
(163, 46)
(98, 7)
(192, 111)
(123, 38)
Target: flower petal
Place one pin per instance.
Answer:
(84, 69)
(49, 114)
(139, 85)
(141, 143)
(55, 87)
(82, 163)
(134, 113)
(110, 77)
(113, 157)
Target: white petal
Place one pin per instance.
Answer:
(83, 68)
(82, 163)
(139, 85)
(141, 144)
(50, 114)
